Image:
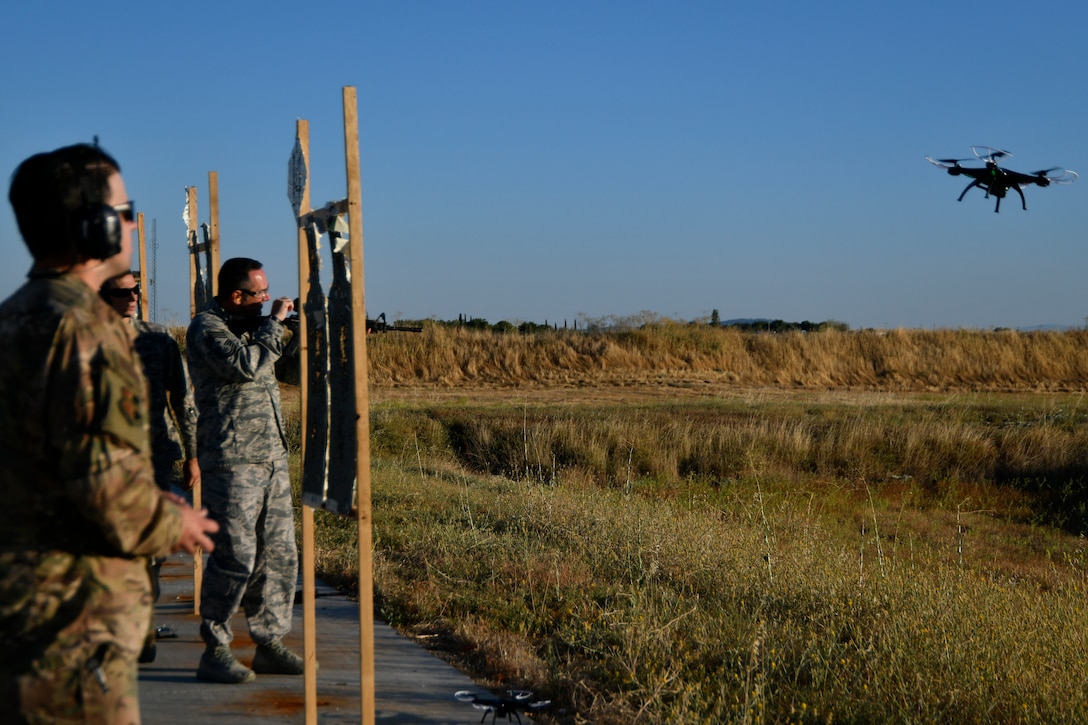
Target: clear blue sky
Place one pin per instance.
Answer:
(535, 161)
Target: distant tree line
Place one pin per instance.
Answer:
(640, 320)
(479, 323)
(783, 326)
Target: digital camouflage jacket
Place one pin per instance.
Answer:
(232, 362)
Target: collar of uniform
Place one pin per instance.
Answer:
(70, 283)
(45, 274)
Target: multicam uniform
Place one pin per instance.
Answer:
(243, 462)
(80, 508)
(170, 399)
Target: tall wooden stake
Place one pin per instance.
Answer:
(362, 408)
(309, 618)
(143, 281)
(194, 254)
(194, 278)
(213, 232)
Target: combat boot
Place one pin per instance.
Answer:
(273, 658)
(218, 664)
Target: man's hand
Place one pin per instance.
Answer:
(282, 307)
(195, 527)
(190, 473)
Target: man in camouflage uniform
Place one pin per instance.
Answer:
(80, 507)
(170, 400)
(232, 352)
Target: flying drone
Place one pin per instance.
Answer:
(514, 701)
(996, 181)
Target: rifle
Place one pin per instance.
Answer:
(287, 366)
(380, 325)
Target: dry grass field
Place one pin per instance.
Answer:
(692, 525)
(696, 356)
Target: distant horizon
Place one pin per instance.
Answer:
(648, 316)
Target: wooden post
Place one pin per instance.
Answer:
(213, 241)
(198, 556)
(142, 281)
(194, 248)
(362, 408)
(194, 279)
(309, 618)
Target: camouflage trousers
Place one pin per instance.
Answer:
(255, 562)
(86, 671)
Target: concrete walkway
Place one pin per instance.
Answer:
(411, 684)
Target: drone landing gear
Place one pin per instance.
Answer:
(999, 197)
(1023, 201)
(500, 711)
(998, 194)
(970, 186)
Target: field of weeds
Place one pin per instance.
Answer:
(655, 541)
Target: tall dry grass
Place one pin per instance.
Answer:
(891, 360)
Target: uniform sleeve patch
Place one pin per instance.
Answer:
(129, 404)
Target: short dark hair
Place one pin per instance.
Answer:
(112, 281)
(48, 188)
(235, 271)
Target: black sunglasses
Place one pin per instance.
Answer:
(251, 293)
(126, 211)
(121, 292)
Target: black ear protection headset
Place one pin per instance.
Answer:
(95, 227)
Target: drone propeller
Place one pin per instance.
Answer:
(1057, 175)
(991, 154)
(945, 163)
(474, 699)
(511, 695)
